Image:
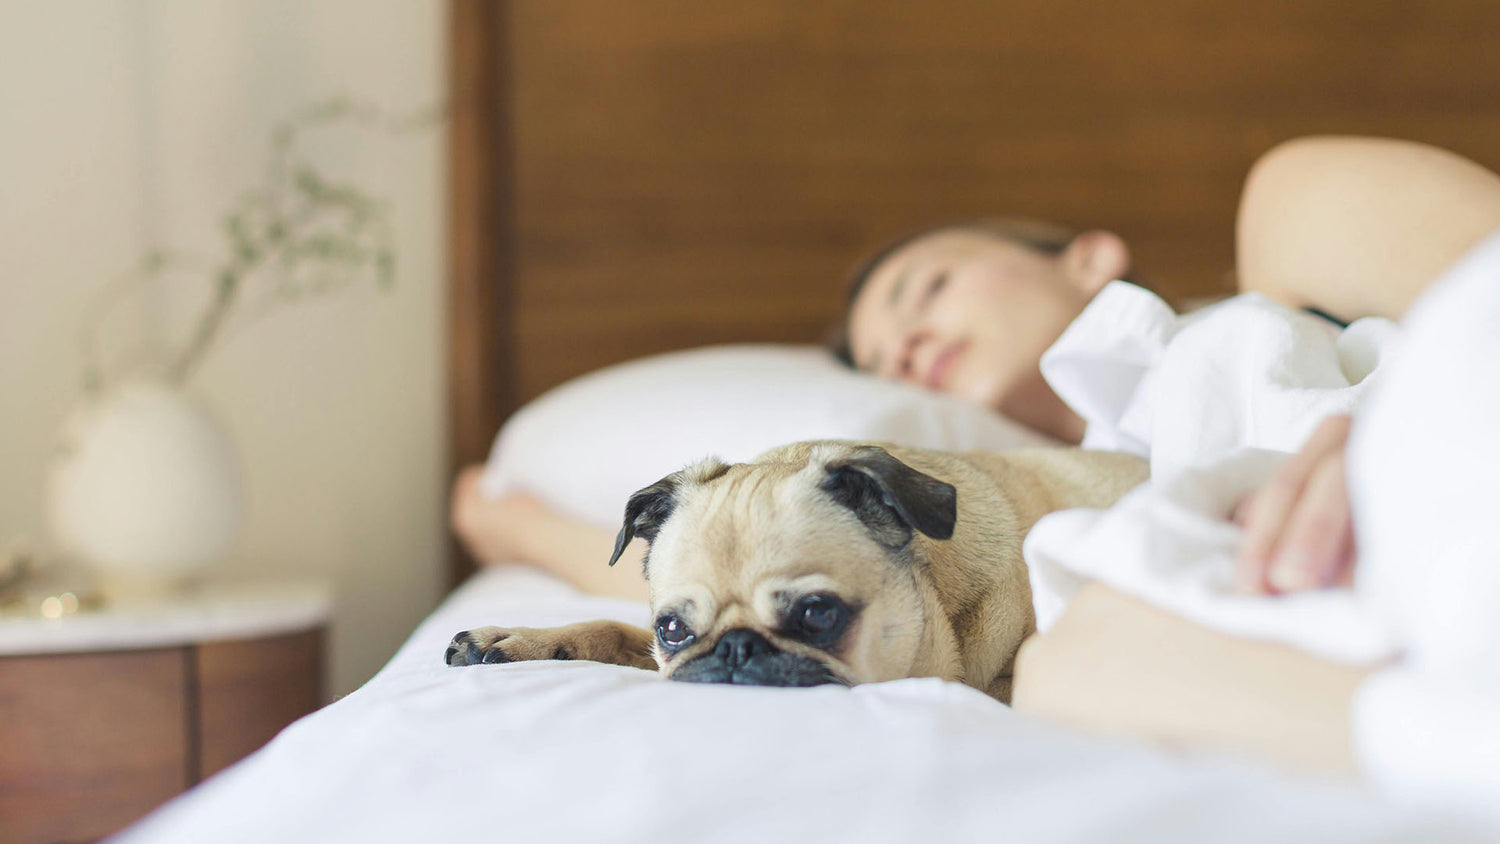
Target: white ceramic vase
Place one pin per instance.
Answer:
(145, 487)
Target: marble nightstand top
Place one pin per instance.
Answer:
(218, 611)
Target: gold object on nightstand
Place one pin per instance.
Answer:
(53, 591)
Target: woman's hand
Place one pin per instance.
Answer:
(1298, 531)
(492, 529)
(518, 527)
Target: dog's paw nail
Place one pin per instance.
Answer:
(481, 646)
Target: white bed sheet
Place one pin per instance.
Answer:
(574, 751)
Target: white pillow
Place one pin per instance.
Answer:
(586, 445)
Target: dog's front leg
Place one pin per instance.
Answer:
(999, 688)
(597, 641)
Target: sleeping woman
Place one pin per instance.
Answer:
(1349, 227)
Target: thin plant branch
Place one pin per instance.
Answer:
(299, 235)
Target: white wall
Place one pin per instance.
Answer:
(126, 124)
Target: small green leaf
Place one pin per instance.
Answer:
(308, 182)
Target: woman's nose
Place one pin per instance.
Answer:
(903, 357)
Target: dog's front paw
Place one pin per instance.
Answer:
(504, 644)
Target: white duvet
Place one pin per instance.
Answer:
(1217, 400)
(581, 752)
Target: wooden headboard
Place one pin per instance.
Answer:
(632, 177)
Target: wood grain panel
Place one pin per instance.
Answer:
(249, 690)
(89, 743)
(689, 173)
(481, 377)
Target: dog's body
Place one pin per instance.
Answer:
(833, 562)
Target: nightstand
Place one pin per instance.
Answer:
(105, 715)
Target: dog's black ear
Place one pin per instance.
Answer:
(892, 498)
(649, 508)
(645, 512)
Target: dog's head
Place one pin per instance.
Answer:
(801, 569)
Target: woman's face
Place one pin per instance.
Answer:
(969, 313)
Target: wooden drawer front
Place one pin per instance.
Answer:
(90, 742)
(249, 690)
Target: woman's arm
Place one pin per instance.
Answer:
(517, 528)
(1354, 227)
(1115, 665)
(1359, 226)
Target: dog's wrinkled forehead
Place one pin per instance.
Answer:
(719, 512)
(790, 494)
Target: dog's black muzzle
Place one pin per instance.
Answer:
(745, 657)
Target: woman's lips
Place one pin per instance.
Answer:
(942, 366)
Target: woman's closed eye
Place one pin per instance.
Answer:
(934, 286)
(912, 299)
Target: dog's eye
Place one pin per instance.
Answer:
(819, 616)
(672, 632)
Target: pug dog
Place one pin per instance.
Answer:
(832, 562)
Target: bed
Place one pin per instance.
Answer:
(629, 179)
(587, 752)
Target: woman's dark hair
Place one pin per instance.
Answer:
(1043, 237)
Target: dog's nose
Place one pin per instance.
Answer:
(740, 646)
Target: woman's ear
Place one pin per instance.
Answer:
(1094, 259)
